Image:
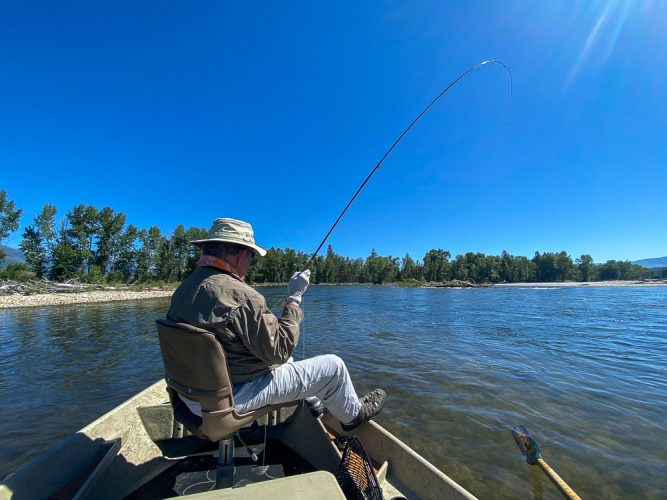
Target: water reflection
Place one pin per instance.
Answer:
(63, 366)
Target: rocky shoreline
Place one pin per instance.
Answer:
(57, 299)
(110, 295)
(653, 282)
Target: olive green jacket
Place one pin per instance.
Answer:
(253, 338)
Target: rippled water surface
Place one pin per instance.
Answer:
(585, 369)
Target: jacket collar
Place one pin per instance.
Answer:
(219, 264)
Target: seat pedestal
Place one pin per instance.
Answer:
(224, 476)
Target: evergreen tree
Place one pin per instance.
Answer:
(524, 270)
(317, 270)
(379, 269)
(291, 262)
(507, 271)
(66, 256)
(9, 220)
(329, 274)
(31, 246)
(38, 241)
(273, 267)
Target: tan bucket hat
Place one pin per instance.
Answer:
(232, 231)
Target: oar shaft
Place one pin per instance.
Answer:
(558, 482)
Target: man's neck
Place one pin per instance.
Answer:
(218, 263)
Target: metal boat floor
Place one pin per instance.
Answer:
(196, 474)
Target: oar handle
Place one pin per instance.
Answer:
(557, 480)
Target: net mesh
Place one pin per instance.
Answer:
(356, 476)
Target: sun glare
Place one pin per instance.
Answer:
(603, 36)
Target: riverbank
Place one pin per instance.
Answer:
(57, 299)
(656, 282)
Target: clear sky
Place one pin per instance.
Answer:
(180, 112)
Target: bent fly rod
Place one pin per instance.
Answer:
(403, 134)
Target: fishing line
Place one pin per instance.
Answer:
(400, 138)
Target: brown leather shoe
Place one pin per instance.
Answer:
(371, 404)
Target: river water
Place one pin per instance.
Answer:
(585, 369)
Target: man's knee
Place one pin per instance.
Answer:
(337, 364)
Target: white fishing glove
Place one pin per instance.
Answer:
(297, 286)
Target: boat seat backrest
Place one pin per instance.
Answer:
(195, 367)
(195, 364)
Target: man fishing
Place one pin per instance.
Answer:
(259, 345)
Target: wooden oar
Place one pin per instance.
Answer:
(533, 454)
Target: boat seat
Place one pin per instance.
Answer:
(196, 367)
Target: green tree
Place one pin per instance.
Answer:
(9, 220)
(567, 271)
(524, 270)
(491, 269)
(554, 267)
(587, 270)
(147, 255)
(109, 229)
(82, 224)
(181, 252)
(126, 255)
(31, 246)
(274, 266)
(194, 252)
(291, 262)
(173, 255)
(17, 272)
(610, 270)
(379, 269)
(316, 269)
(515, 269)
(335, 268)
(436, 265)
(482, 268)
(409, 268)
(66, 255)
(354, 269)
(39, 240)
(630, 271)
(166, 262)
(460, 269)
(328, 272)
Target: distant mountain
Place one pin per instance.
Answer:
(14, 256)
(650, 263)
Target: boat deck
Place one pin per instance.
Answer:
(137, 450)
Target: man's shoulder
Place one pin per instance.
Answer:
(227, 284)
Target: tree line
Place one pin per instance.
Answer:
(98, 246)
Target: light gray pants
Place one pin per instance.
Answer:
(324, 377)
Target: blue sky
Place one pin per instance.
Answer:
(274, 113)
